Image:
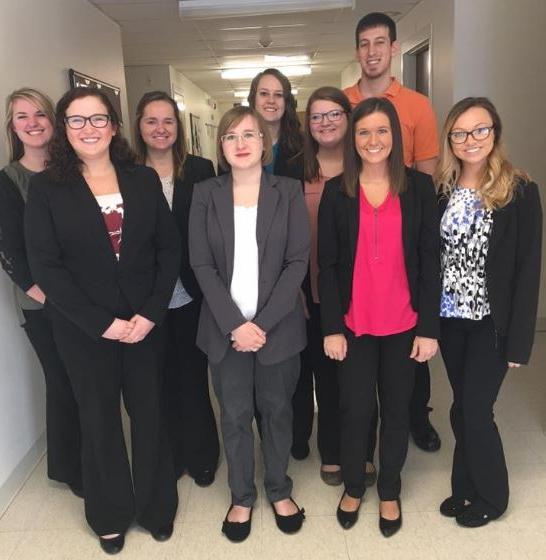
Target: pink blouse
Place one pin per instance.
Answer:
(380, 302)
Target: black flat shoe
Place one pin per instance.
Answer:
(113, 545)
(347, 518)
(163, 533)
(236, 531)
(204, 478)
(300, 451)
(389, 527)
(452, 507)
(332, 478)
(76, 489)
(476, 516)
(425, 436)
(289, 524)
(370, 477)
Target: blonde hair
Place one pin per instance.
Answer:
(499, 180)
(16, 150)
(232, 118)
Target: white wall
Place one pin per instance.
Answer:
(141, 79)
(500, 54)
(39, 42)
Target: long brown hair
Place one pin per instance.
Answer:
(179, 148)
(64, 165)
(290, 138)
(352, 163)
(16, 149)
(311, 167)
(500, 177)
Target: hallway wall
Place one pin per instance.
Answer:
(39, 42)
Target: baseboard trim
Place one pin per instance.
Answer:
(20, 474)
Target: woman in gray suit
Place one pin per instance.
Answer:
(249, 246)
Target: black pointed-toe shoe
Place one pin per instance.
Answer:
(163, 533)
(300, 451)
(347, 518)
(289, 524)
(452, 507)
(236, 531)
(113, 545)
(389, 527)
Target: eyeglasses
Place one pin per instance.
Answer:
(460, 136)
(78, 121)
(333, 116)
(248, 136)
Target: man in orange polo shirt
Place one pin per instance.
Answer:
(376, 44)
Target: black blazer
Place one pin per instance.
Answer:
(72, 259)
(513, 269)
(282, 234)
(289, 165)
(338, 225)
(13, 254)
(196, 169)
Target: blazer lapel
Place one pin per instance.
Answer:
(267, 204)
(500, 220)
(222, 197)
(407, 203)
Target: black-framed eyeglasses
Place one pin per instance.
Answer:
(78, 121)
(480, 133)
(333, 116)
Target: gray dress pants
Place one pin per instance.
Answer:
(235, 380)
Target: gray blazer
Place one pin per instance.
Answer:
(282, 234)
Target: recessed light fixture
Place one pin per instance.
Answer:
(249, 73)
(214, 9)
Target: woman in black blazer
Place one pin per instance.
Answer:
(249, 246)
(378, 252)
(29, 126)
(103, 247)
(491, 232)
(161, 144)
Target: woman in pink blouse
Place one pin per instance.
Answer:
(378, 253)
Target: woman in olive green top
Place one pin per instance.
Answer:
(29, 118)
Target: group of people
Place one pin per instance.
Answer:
(332, 260)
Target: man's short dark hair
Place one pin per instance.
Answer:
(376, 19)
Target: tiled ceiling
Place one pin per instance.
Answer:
(153, 33)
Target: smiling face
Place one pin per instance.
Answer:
(240, 153)
(89, 142)
(158, 126)
(473, 152)
(375, 51)
(31, 125)
(328, 133)
(373, 138)
(270, 101)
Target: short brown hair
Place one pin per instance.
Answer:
(232, 118)
(16, 150)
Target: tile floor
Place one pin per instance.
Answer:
(46, 522)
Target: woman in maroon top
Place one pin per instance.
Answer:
(378, 251)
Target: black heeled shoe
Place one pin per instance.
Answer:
(347, 518)
(452, 507)
(289, 524)
(389, 527)
(204, 478)
(163, 533)
(236, 531)
(113, 545)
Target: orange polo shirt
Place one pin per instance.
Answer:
(419, 130)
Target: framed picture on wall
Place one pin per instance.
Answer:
(196, 144)
(77, 79)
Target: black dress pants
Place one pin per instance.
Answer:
(100, 371)
(476, 366)
(62, 417)
(190, 418)
(315, 362)
(371, 361)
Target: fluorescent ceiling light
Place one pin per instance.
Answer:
(285, 59)
(249, 73)
(246, 93)
(213, 9)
